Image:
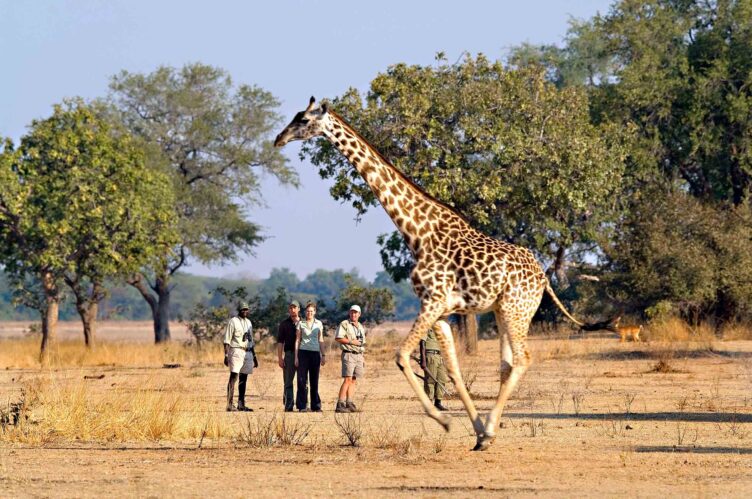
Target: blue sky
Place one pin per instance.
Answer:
(292, 48)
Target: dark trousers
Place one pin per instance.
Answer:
(288, 375)
(309, 364)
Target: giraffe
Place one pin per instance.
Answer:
(457, 268)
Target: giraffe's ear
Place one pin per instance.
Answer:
(310, 103)
(324, 108)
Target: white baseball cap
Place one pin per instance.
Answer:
(356, 308)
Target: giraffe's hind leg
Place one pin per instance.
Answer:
(515, 359)
(446, 343)
(428, 315)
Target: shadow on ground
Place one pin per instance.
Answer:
(698, 417)
(693, 450)
(673, 355)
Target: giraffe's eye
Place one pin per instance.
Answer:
(304, 120)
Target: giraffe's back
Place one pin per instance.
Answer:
(474, 271)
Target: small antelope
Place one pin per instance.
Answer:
(630, 331)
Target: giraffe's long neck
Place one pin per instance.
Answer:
(409, 208)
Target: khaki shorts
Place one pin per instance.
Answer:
(241, 361)
(353, 365)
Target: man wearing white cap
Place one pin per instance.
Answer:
(351, 336)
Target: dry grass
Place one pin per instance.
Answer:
(51, 410)
(268, 430)
(736, 332)
(674, 330)
(23, 353)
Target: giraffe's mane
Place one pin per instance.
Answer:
(397, 171)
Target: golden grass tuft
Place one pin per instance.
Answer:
(733, 332)
(676, 330)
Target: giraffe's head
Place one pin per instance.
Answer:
(305, 125)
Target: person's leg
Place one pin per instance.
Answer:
(243, 379)
(314, 374)
(441, 382)
(341, 398)
(430, 381)
(358, 370)
(351, 390)
(302, 398)
(288, 375)
(231, 390)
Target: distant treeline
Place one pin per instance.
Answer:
(125, 303)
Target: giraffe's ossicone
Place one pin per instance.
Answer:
(457, 269)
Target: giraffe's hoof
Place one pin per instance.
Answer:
(484, 442)
(445, 420)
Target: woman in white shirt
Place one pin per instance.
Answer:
(309, 357)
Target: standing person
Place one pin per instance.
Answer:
(286, 335)
(309, 357)
(240, 356)
(351, 336)
(434, 370)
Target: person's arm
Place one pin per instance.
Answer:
(322, 350)
(297, 344)
(228, 338)
(423, 354)
(342, 339)
(280, 347)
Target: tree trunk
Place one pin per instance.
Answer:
(49, 316)
(87, 305)
(160, 305)
(560, 269)
(162, 317)
(88, 313)
(468, 332)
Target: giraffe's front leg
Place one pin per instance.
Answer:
(417, 333)
(446, 343)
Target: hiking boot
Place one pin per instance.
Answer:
(351, 407)
(303, 410)
(244, 408)
(342, 407)
(439, 406)
(231, 409)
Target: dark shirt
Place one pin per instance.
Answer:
(286, 334)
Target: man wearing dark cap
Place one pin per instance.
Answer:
(240, 356)
(286, 352)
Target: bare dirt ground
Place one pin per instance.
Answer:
(590, 418)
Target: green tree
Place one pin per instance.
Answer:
(80, 207)
(702, 266)
(215, 139)
(376, 304)
(406, 304)
(326, 285)
(516, 156)
(680, 73)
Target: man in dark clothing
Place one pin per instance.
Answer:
(434, 370)
(286, 352)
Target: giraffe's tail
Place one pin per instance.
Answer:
(561, 306)
(609, 324)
